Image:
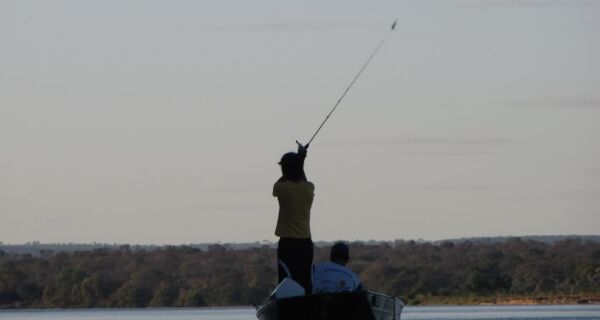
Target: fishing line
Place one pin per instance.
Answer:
(353, 81)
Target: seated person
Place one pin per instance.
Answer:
(334, 276)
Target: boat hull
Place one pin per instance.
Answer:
(333, 306)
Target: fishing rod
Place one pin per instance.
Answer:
(351, 84)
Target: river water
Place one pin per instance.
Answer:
(562, 312)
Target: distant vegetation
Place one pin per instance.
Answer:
(419, 272)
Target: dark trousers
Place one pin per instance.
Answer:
(297, 255)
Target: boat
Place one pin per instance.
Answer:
(363, 305)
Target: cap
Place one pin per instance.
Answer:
(289, 158)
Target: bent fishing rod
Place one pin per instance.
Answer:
(350, 86)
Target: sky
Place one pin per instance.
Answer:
(162, 122)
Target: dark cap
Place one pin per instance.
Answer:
(340, 251)
(289, 158)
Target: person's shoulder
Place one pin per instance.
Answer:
(301, 184)
(278, 184)
(282, 183)
(348, 271)
(323, 265)
(310, 185)
(353, 275)
(330, 266)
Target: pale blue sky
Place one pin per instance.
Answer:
(162, 121)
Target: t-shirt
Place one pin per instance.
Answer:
(332, 277)
(295, 200)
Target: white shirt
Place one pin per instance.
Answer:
(332, 277)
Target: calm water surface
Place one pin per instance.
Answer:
(577, 312)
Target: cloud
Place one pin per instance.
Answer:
(442, 188)
(522, 3)
(297, 25)
(56, 220)
(430, 141)
(569, 194)
(438, 154)
(233, 189)
(46, 220)
(214, 208)
(558, 103)
(432, 146)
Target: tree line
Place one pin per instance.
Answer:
(171, 276)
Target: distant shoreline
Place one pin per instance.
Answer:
(426, 302)
(515, 300)
(513, 272)
(36, 248)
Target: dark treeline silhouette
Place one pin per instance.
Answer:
(444, 272)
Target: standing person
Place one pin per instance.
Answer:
(295, 196)
(334, 276)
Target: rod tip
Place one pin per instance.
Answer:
(394, 24)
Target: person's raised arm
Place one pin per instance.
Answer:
(302, 150)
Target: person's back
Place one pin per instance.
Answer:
(295, 200)
(334, 276)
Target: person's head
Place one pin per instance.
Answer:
(340, 253)
(291, 166)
